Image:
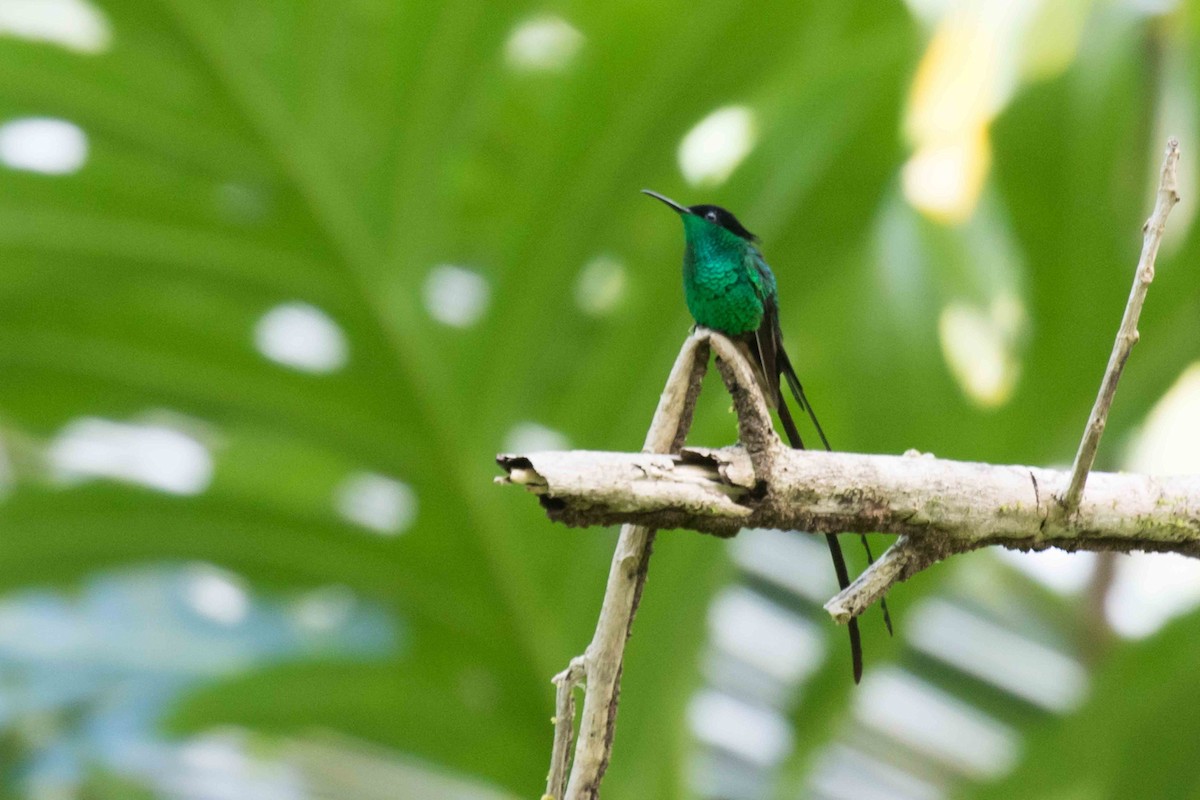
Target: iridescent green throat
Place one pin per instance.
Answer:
(720, 280)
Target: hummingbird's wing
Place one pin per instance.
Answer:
(765, 340)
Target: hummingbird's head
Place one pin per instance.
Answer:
(700, 217)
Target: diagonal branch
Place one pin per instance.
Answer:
(599, 668)
(600, 665)
(901, 561)
(1127, 334)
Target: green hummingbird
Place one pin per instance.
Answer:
(729, 288)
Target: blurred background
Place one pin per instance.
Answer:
(279, 278)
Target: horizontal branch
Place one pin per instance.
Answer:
(941, 506)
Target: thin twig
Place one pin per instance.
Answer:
(898, 563)
(565, 684)
(1127, 334)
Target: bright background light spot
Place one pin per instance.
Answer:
(1051, 37)
(325, 609)
(223, 765)
(795, 562)
(302, 337)
(45, 145)
(456, 296)
(968, 73)
(382, 504)
(956, 89)
(152, 455)
(75, 24)
(1016, 664)
(1169, 440)
(1065, 573)
(943, 179)
(846, 773)
(928, 11)
(543, 44)
(1149, 590)
(759, 735)
(978, 349)
(930, 721)
(777, 642)
(600, 286)
(712, 150)
(530, 437)
(1152, 7)
(216, 595)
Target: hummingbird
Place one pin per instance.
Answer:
(730, 289)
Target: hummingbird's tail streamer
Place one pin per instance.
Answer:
(793, 381)
(835, 549)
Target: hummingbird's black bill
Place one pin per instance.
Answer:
(680, 208)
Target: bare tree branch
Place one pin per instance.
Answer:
(599, 668)
(940, 505)
(1127, 334)
(600, 665)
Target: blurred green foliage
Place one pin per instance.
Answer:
(246, 154)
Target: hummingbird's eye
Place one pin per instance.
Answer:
(711, 216)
